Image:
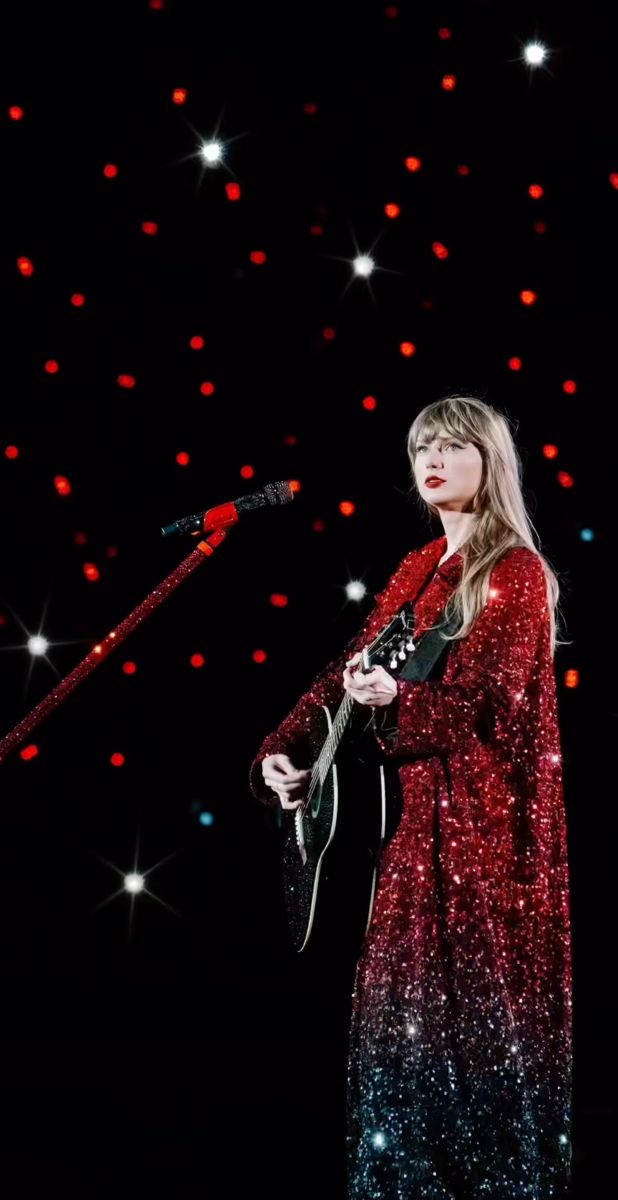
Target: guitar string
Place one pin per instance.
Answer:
(341, 718)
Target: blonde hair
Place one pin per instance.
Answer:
(503, 520)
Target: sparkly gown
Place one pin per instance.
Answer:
(460, 1053)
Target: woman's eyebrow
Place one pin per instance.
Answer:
(447, 437)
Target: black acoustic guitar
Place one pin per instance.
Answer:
(341, 822)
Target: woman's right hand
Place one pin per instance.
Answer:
(281, 775)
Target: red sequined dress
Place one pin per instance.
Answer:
(460, 1054)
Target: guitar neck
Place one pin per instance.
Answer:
(389, 641)
(333, 741)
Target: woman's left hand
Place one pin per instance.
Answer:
(375, 688)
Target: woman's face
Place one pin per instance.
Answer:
(457, 463)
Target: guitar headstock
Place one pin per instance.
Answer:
(392, 646)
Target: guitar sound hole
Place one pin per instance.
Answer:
(316, 802)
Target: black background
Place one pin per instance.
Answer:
(179, 1038)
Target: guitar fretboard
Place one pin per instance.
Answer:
(398, 630)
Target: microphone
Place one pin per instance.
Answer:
(228, 513)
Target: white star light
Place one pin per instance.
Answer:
(364, 265)
(535, 53)
(37, 644)
(379, 1140)
(355, 589)
(134, 883)
(211, 153)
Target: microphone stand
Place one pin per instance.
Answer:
(101, 650)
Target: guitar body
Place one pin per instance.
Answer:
(330, 854)
(332, 841)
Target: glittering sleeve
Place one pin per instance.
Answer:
(295, 735)
(495, 664)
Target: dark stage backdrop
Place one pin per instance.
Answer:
(179, 331)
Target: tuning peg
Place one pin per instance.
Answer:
(410, 644)
(393, 663)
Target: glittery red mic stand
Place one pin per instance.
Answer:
(202, 551)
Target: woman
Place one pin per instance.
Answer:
(459, 1083)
